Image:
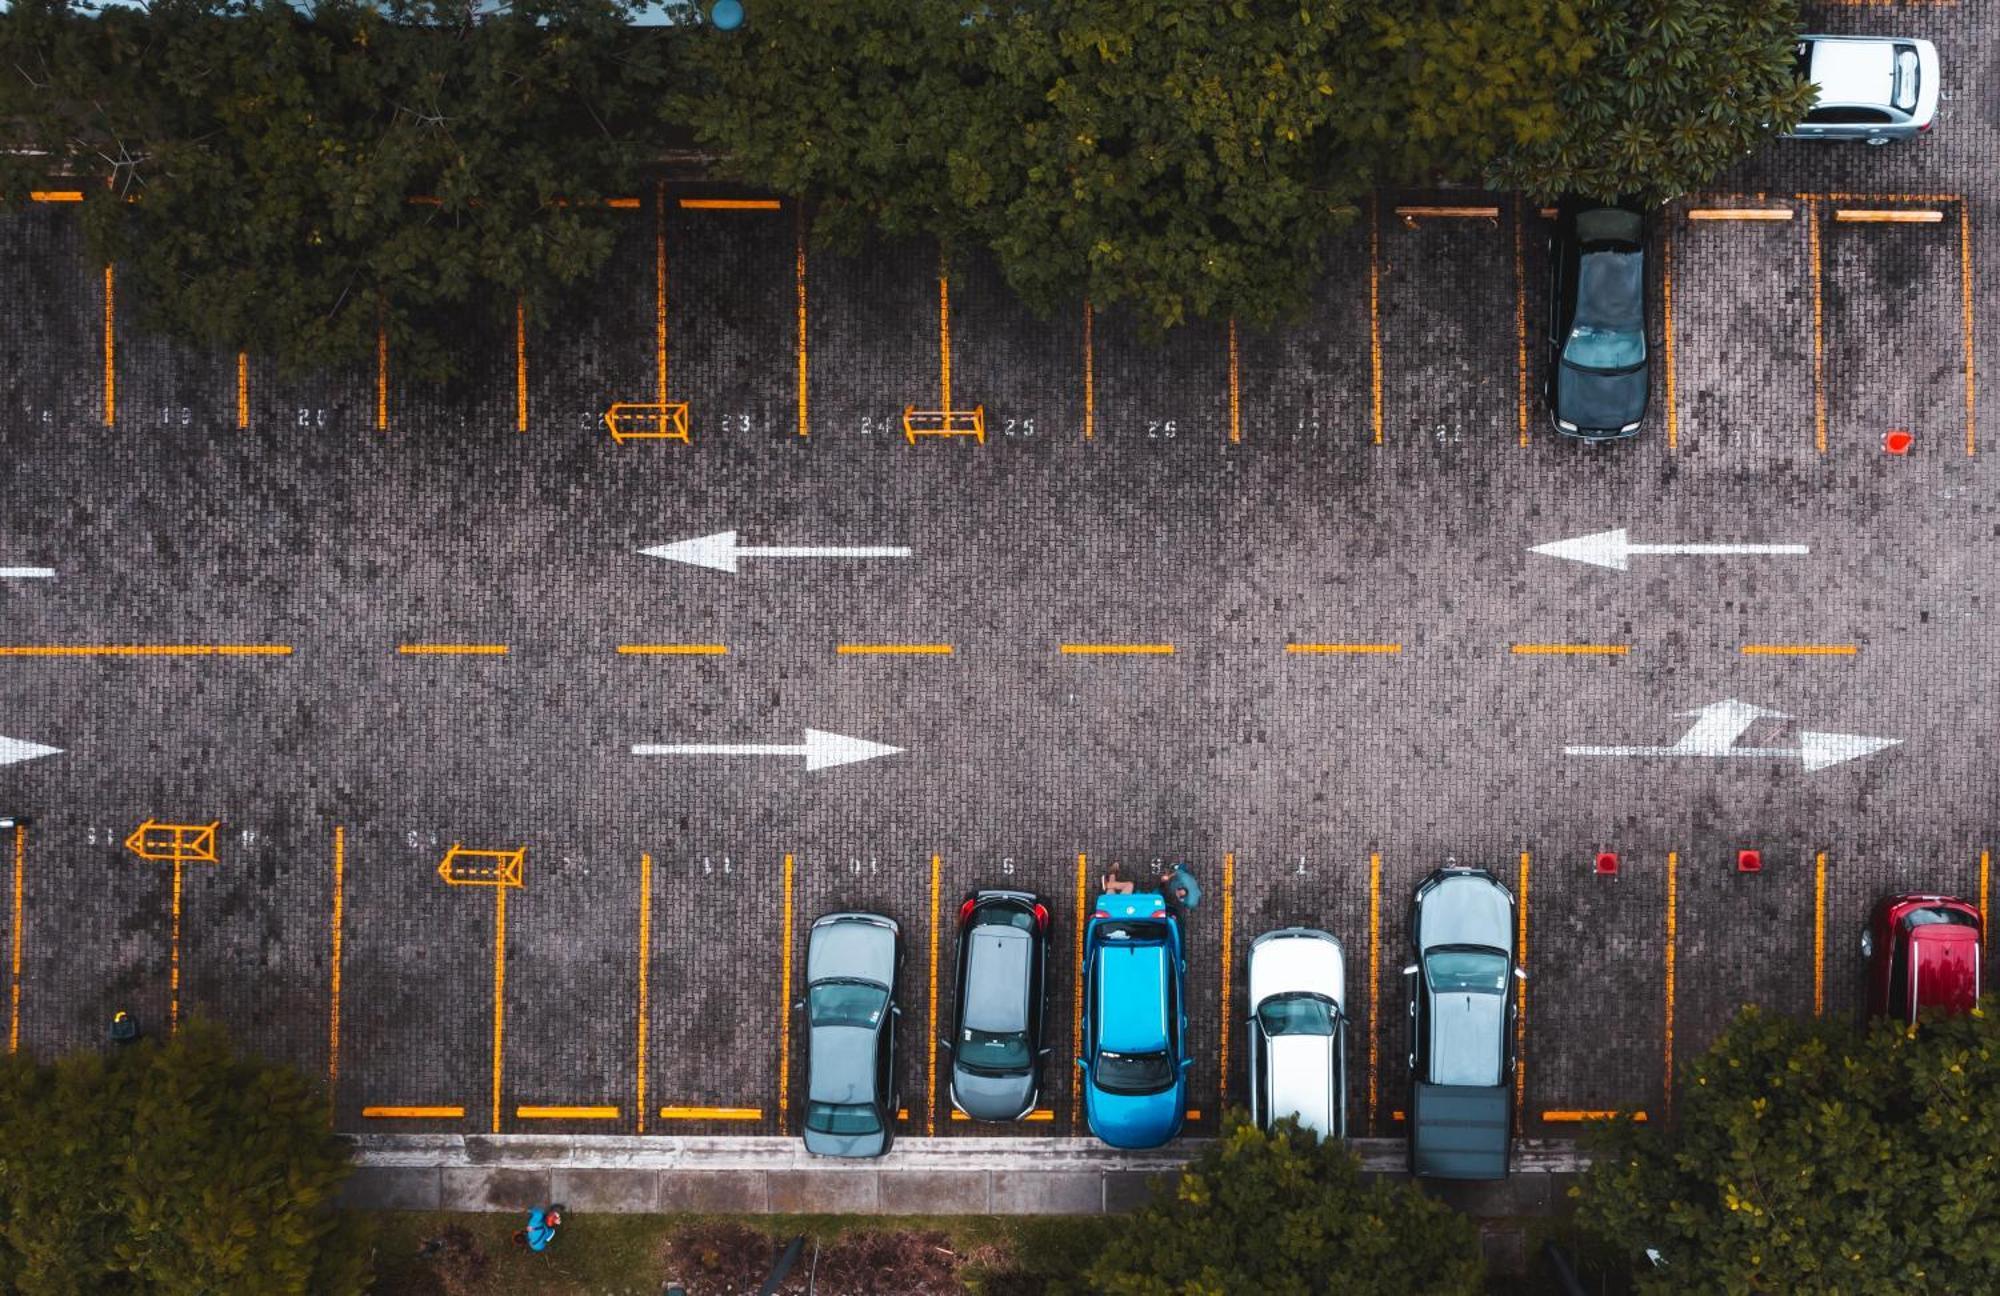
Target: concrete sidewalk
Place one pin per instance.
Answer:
(930, 1176)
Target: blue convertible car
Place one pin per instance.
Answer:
(1135, 1054)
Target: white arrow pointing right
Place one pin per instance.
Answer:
(14, 749)
(1612, 549)
(27, 573)
(822, 750)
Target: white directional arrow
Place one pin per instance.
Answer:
(13, 749)
(1718, 725)
(27, 573)
(821, 750)
(721, 552)
(1611, 549)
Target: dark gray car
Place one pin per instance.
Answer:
(1002, 996)
(850, 1007)
(1461, 1025)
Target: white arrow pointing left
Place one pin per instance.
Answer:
(1614, 549)
(821, 750)
(27, 573)
(720, 552)
(14, 749)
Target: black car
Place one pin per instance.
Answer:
(1002, 996)
(1597, 378)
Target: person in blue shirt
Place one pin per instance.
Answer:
(1183, 893)
(542, 1225)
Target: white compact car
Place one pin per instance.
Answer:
(1872, 88)
(1298, 1030)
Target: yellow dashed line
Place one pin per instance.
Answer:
(731, 204)
(1819, 935)
(1570, 650)
(1740, 214)
(893, 650)
(712, 1113)
(1564, 1117)
(1903, 217)
(146, 650)
(1321, 648)
(413, 1113)
(1040, 1114)
(447, 650)
(566, 1113)
(674, 650)
(1801, 650)
(1117, 650)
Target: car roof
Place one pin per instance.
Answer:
(1131, 997)
(996, 978)
(842, 1065)
(1301, 1072)
(1854, 71)
(1466, 1037)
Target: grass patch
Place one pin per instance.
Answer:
(611, 1255)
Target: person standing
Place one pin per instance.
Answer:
(1182, 892)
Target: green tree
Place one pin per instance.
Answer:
(1674, 92)
(1805, 1158)
(1286, 1212)
(178, 1167)
(1176, 155)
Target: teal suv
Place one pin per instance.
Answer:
(1135, 1053)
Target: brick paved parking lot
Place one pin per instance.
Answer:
(414, 643)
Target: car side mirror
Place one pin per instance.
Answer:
(1079, 1064)
(944, 1043)
(798, 1005)
(1044, 1053)
(1411, 970)
(896, 1009)
(1186, 1063)
(1521, 973)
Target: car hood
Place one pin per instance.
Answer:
(1308, 961)
(847, 1145)
(852, 947)
(1466, 910)
(842, 1062)
(1135, 1120)
(1600, 402)
(992, 1097)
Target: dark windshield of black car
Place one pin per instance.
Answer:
(1134, 1073)
(1609, 334)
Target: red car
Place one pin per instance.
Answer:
(1922, 952)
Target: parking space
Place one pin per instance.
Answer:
(1307, 385)
(732, 319)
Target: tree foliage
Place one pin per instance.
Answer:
(1283, 1213)
(262, 164)
(1674, 92)
(175, 1167)
(1805, 1158)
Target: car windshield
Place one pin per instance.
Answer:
(1297, 1014)
(1932, 917)
(994, 1050)
(1479, 971)
(842, 1118)
(1134, 1073)
(1608, 335)
(846, 1003)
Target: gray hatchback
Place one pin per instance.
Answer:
(1002, 996)
(850, 1007)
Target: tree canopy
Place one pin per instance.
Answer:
(171, 1167)
(1286, 1213)
(1806, 1158)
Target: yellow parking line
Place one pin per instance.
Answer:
(659, 311)
(712, 1113)
(381, 376)
(731, 204)
(242, 390)
(110, 350)
(499, 990)
(1848, 215)
(146, 650)
(333, 997)
(1375, 311)
(1228, 923)
(1411, 215)
(1374, 976)
(1343, 648)
(673, 650)
(447, 650)
(1116, 650)
(566, 1113)
(799, 239)
(413, 1113)
(645, 951)
(174, 958)
(520, 365)
(1673, 860)
(930, 1054)
(1194, 1113)
(1089, 378)
(55, 195)
(1801, 650)
(1740, 214)
(785, 1008)
(1076, 1012)
(1570, 650)
(1038, 1115)
(893, 650)
(1521, 999)
(14, 983)
(1985, 862)
(1819, 935)
(1565, 1117)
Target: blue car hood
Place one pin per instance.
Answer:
(1136, 1120)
